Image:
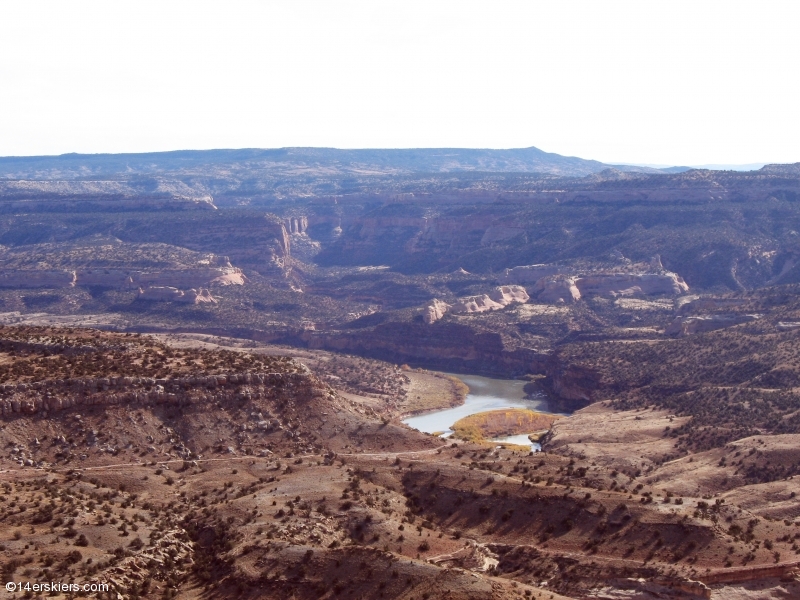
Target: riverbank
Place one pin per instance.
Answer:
(430, 391)
(485, 394)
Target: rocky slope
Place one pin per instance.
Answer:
(190, 470)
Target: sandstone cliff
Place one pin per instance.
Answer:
(558, 288)
(552, 283)
(252, 239)
(573, 386)
(498, 298)
(435, 311)
(446, 346)
(296, 224)
(626, 284)
(391, 237)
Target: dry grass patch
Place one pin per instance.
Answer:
(497, 423)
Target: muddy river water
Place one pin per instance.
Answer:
(484, 394)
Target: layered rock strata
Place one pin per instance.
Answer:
(44, 396)
(449, 346)
(121, 278)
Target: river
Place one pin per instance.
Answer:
(484, 394)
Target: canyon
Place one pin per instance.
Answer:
(220, 348)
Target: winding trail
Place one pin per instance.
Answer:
(222, 459)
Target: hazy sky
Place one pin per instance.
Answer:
(645, 81)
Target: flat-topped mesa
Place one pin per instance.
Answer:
(33, 278)
(171, 294)
(498, 298)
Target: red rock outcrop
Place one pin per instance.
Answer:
(741, 574)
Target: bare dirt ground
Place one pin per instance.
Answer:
(605, 435)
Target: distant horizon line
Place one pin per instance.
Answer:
(710, 166)
(751, 166)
